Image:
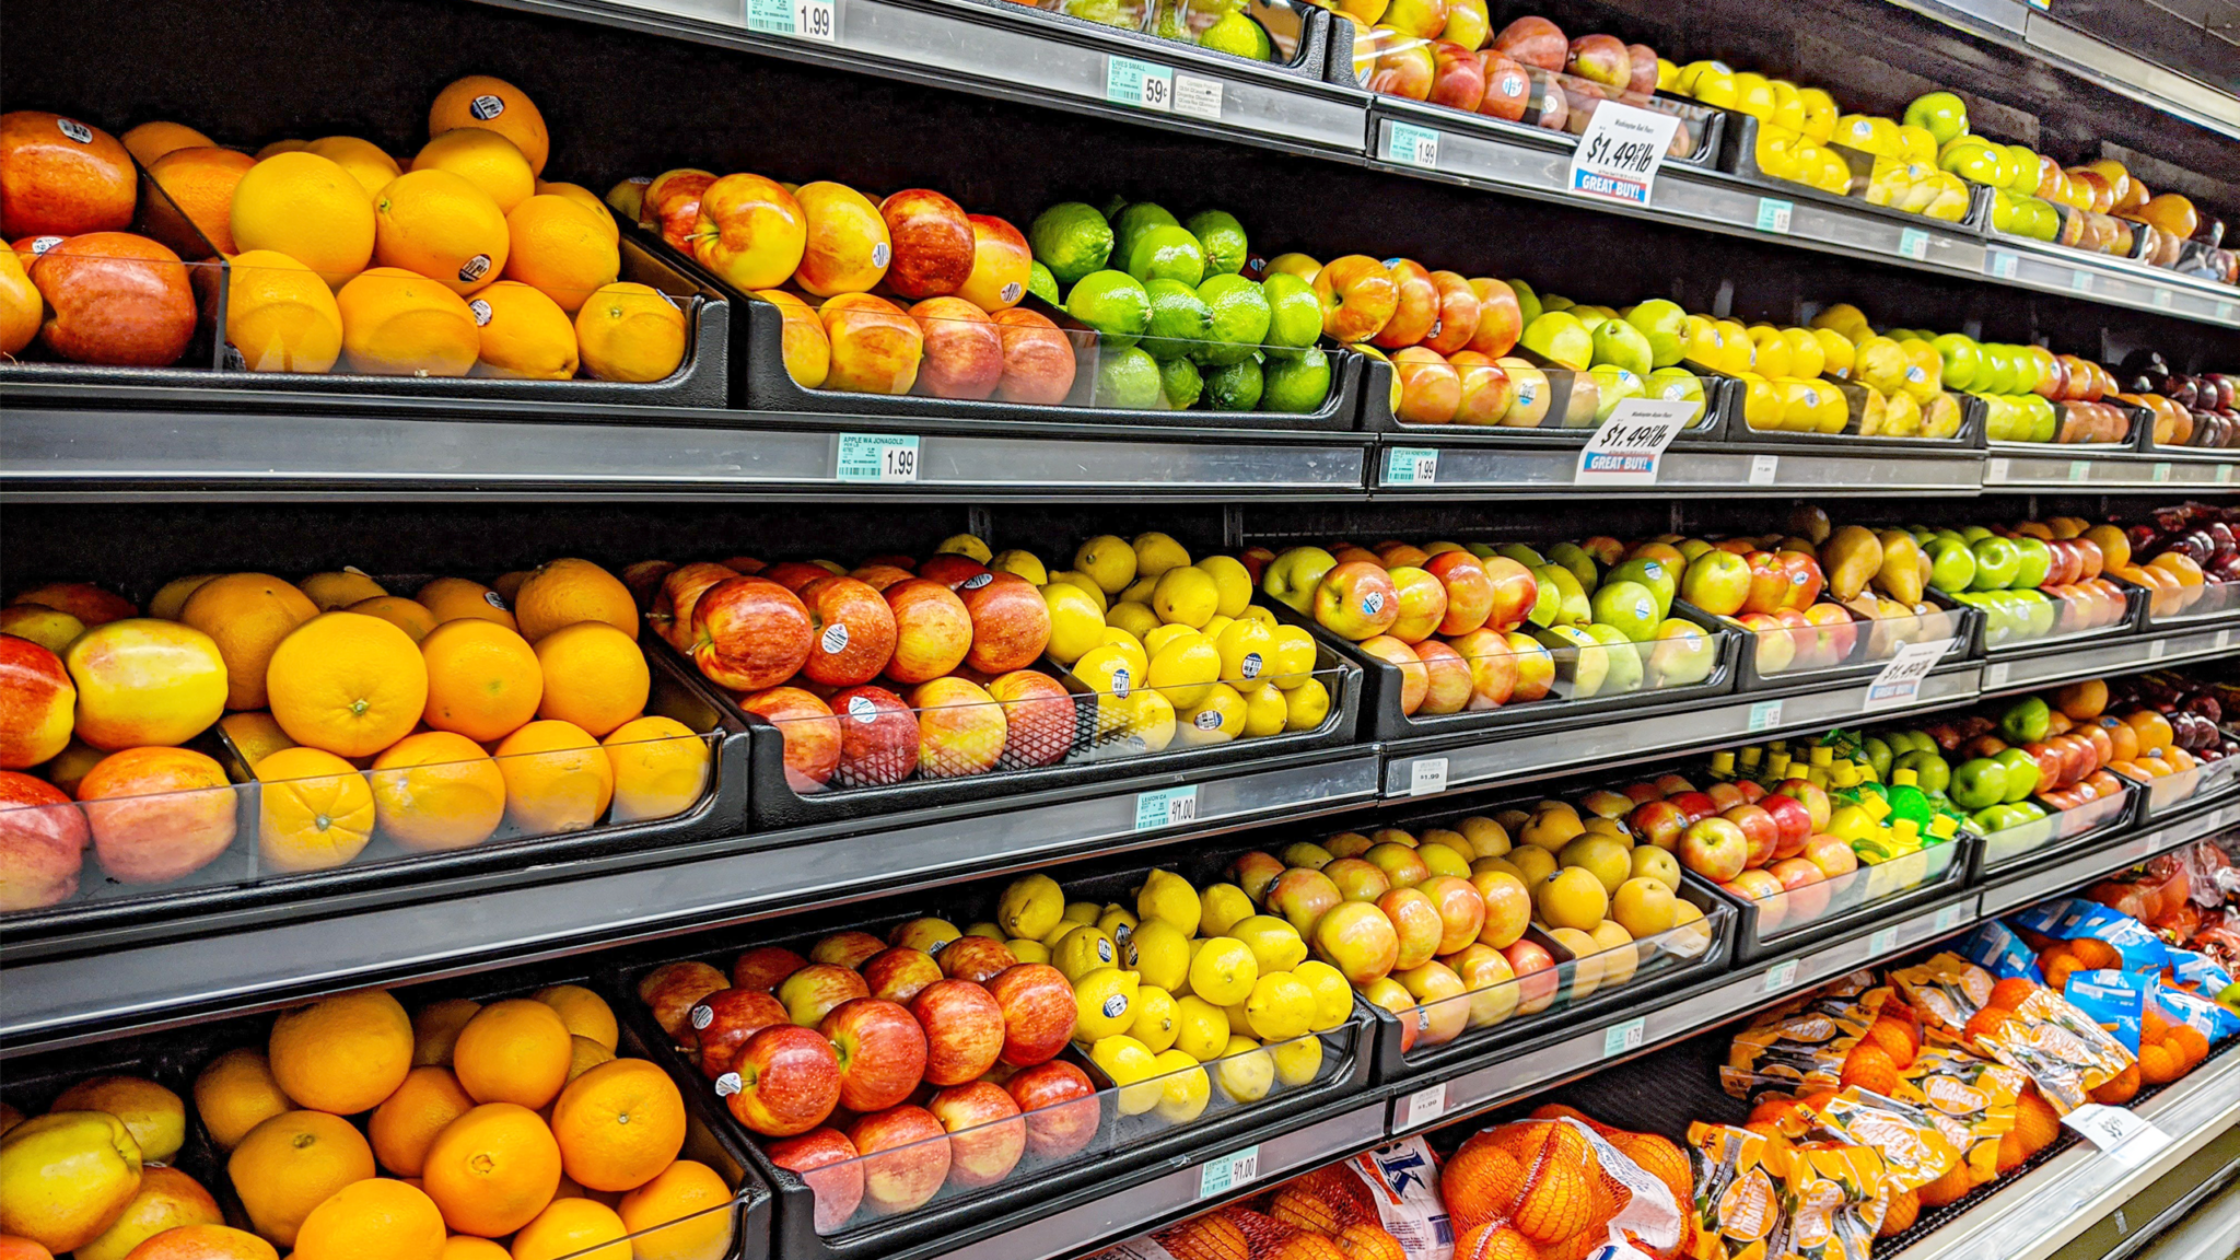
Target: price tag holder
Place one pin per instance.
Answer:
(1882, 942)
(1411, 145)
(1996, 474)
(1424, 1106)
(1764, 469)
(2224, 311)
(1142, 84)
(1781, 975)
(1627, 450)
(1166, 807)
(1913, 243)
(1411, 466)
(1765, 715)
(2002, 263)
(2224, 474)
(1620, 152)
(2162, 299)
(1995, 674)
(2224, 639)
(1899, 683)
(1623, 1038)
(802, 19)
(881, 457)
(1427, 777)
(1774, 215)
(1228, 1172)
(2119, 1132)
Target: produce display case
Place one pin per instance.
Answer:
(1844, 904)
(1995, 633)
(1852, 437)
(1738, 156)
(1853, 651)
(2164, 795)
(2208, 604)
(1555, 111)
(2060, 832)
(1553, 396)
(1306, 42)
(2137, 420)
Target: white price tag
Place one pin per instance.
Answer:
(1197, 98)
(803, 19)
(1427, 777)
(1228, 1172)
(1763, 469)
(1166, 807)
(1620, 151)
(1143, 84)
(1913, 243)
(1411, 145)
(2224, 639)
(1424, 1106)
(1774, 215)
(1626, 450)
(2080, 470)
(2224, 474)
(1997, 473)
(877, 457)
(2156, 647)
(2119, 1133)
(1765, 715)
(1899, 683)
(1781, 975)
(1947, 916)
(1410, 466)
(1995, 674)
(2002, 263)
(1623, 1038)
(1882, 942)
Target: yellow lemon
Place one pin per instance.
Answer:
(1109, 561)
(1151, 719)
(1030, 906)
(1156, 553)
(1185, 671)
(1232, 580)
(1085, 584)
(365, 160)
(1292, 663)
(1118, 924)
(1154, 1025)
(280, 314)
(1076, 623)
(1162, 954)
(1169, 898)
(561, 248)
(1217, 718)
(1306, 707)
(525, 334)
(966, 545)
(1080, 912)
(1297, 1061)
(1029, 951)
(1084, 948)
(1281, 1007)
(1104, 1002)
(1201, 1028)
(1161, 636)
(1275, 944)
(485, 159)
(1183, 1087)
(1333, 997)
(1132, 1067)
(630, 332)
(309, 208)
(1024, 563)
(1245, 1071)
(1224, 972)
(1133, 620)
(1247, 651)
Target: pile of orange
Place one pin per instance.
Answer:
(2146, 747)
(1537, 1188)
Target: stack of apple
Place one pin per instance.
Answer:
(2020, 385)
(1611, 355)
(2189, 410)
(2175, 726)
(2030, 580)
(850, 1033)
(2030, 760)
(1772, 586)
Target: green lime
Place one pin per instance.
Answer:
(1240, 320)
(1166, 253)
(1294, 313)
(1102, 12)
(1180, 320)
(1170, 22)
(1131, 222)
(1071, 239)
(1223, 238)
(1239, 36)
(1043, 284)
(1180, 382)
(1297, 385)
(1114, 304)
(1128, 379)
(1235, 387)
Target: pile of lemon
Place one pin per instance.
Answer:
(1184, 981)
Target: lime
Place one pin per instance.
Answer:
(1128, 379)
(1239, 36)
(1294, 313)
(1240, 319)
(1071, 239)
(1112, 303)
(1297, 385)
(1102, 12)
(1223, 238)
(1043, 284)
(1235, 387)
(1131, 222)
(1160, 252)
(1180, 382)
(1180, 320)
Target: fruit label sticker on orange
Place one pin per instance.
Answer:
(1142, 84)
(1620, 151)
(1627, 449)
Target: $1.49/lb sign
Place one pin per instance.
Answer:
(1620, 152)
(1626, 450)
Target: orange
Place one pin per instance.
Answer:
(290, 1164)
(1896, 1040)
(1556, 1200)
(2011, 992)
(1481, 1182)
(1301, 1208)
(282, 146)
(563, 592)
(400, 323)
(437, 790)
(167, 1199)
(281, 315)
(366, 161)
(586, 198)
(585, 1013)
(573, 1228)
(153, 1115)
(660, 768)
(479, 100)
(585, 1054)
(1210, 1237)
(200, 181)
(514, 1051)
(348, 683)
(204, 1242)
(525, 334)
(373, 1220)
(508, 585)
(407, 1122)
(2036, 1123)
(2092, 955)
(594, 676)
(235, 1093)
(1898, 1217)
(492, 1170)
(486, 159)
(2120, 1090)
(457, 599)
(441, 225)
(562, 248)
(247, 615)
(308, 208)
(619, 1125)
(690, 1205)
(469, 1247)
(342, 1054)
(2189, 1043)
(557, 778)
(339, 588)
(2160, 1063)
(484, 680)
(21, 308)
(1494, 1241)
(630, 332)
(149, 141)
(2152, 728)
(407, 615)
(435, 1030)
(1365, 1240)
(171, 597)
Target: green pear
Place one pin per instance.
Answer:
(1561, 339)
(1575, 558)
(1620, 344)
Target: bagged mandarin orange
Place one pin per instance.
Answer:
(1946, 991)
(1971, 1099)
(1736, 1207)
(2058, 1046)
(1914, 1149)
(1831, 1196)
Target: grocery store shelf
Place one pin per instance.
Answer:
(2107, 471)
(2110, 280)
(2102, 658)
(1478, 470)
(2042, 881)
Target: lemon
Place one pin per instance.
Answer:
(1076, 621)
(1083, 949)
(1333, 997)
(1275, 944)
(1151, 720)
(1081, 912)
(1169, 633)
(1118, 924)
(1216, 719)
(1169, 898)
(1132, 1067)
(1306, 707)
(1185, 672)
(1221, 907)
(1104, 1003)
(1028, 951)
(1232, 584)
(1052, 938)
(1294, 657)
(1201, 1028)
(1212, 629)
(1297, 1061)
(1255, 612)
(1132, 620)
(1245, 1071)
(1024, 563)
(1281, 1007)
(1110, 669)
(1224, 972)
(1158, 553)
(1247, 649)
(992, 931)
(1030, 906)
(1086, 585)
(1109, 561)
(1183, 1087)
(1140, 591)
(1162, 954)
(1154, 1025)
(966, 545)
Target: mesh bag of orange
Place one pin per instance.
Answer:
(1326, 1214)
(1559, 1185)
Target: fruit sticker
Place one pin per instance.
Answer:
(1372, 603)
(74, 129)
(474, 269)
(486, 107)
(835, 639)
(481, 311)
(862, 710)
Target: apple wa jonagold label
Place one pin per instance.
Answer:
(1620, 151)
(1626, 450)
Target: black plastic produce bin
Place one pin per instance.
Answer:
(1870, 894)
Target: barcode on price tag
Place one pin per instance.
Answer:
(877, 457)
(1143, 84)
(1774, 215)
(1899, 683)
(1411, 145)
(1424, 1106)
(1220, 1176)
(1882, 942)
(803, 19)
(1781, 975)
(1623, 1038)
(1765, 715)
(2003, 264)
(1764, 469)
(1913, 243)
(1411, 466)
(1166, 807)
(1626, 450)
(2080, 282)
(1620, 151)
(1427, 777)
(2119, 1132)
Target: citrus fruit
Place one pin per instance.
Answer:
(291, 1164)
(673, 1214)
(483, 158)
(492, 1170)
(1297, 385)
(660, 768)
(571, 1227)
(585, 1013)
(515, 1051)
(479, 100)
(347, 683)
(247, 615)
(1165, 252)
(1071, 240)
(1223, 240)
(150, 141)
(441, 225)
(21, 307)
(455, 599)
(562, 592)
(1043, 283)
(619, 1125)
(563, 249)
(594, 676)
(200, 182)
(1130, 222)
(1113, 303)
(407, 1121)
(1235, 387)
(1240, 319)
(1128, 379)
(524, 334)
(1239, 36)
(308, 208)
(1180, 383)
(435, 1030)
(378, 1217)
(437, 790)
(339, 588)
(280, 315)
(366, 161)
(1180, 320)
(557, 778)
(235, 1093)
(630, 332)
(400, 323)
(1294, 312)
(586, 198)
(314, 811)
(343, 1054)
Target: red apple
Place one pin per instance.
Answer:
(115, 299)
(963, 349)
(975, 958)
(933, 632)
(1806, 887)
(38, 704)
(1458, 78)
(1487, 390)
(810, 993)
(1415, 679)
(952, 570)
(1423, 604)
(1792, 823)
(784, 1080)
(1508, 89)
(794, 574)
(881, 1049)
(1010, 623)
(899, 974)
(1725, 796)
(1533, 41)
(1493, 668)
(1764, 888)
(1038, 1012)
(681, 589)
(1515, 591)
(1357, 600)
(1806, 580)
(878, 737)
(1061, 1107)
(876, 346)
(670, 991)
(850, 949)
(1358, 295)
(1039, 718)
(1415, 919)
(1448, 682)
(61, 177)
(1404, 68)
(986, 1136)
(725, 1019)
(1644, 62)
(1430, 387)
(43, 841)
(1417, 307)
(825, 1160)
(964, 1030)
(1038, 362)
(1537, 980)
(933, 246)
(1758, 830)
(1658, 822)
(1693, 804)
(1458, 314)
(810, 732)
(852, 631)
(961, 728)
(1714, 848)
(1469, 589)
(1462, 910)
(749, 231)
(905, 1158)
(1001, 261)
(749, 633)
(1833, 856)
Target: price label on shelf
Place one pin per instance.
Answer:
(1913, 243)
(1774, 215)
(1227, 1173)
(1424, 1106)
(1947, 916)
(1142, 84)
(1764, 469)
(2162, 299)
(884, 457)
(1623, 1038)
(1995, 674)
(1882, 942)
(1765, 715)
(2224, 474)
(1781, 975)
(1166, 807)
(2080, 470)
(1427, 777)
(2120, 1133)
(2162, 471)
(2156, 647)
(1619, 153)
(1197, 98)
(1899, 683)
(2080, 282)
(2224, 639)
(1411, 466)
(802, 19)
(2002, 263)
(1996, 473)
(1411, 145)
(1626, 450)
(2224, 311)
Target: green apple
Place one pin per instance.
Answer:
(1665, 325)
(1978, 783)
(2037, 561)
(1976, 161)
(1528, 303)
(1620, 344)
(2022, 773)
(2043, 418)
(2026, 721)
(1654, 574)
(1573, 609)
(1997, 562)
(1677, 384)
(1561, 339)
(2022, 176)
(2037, 610)
(1993, 819)
(1962, 359)
(1952, 567)
(1581, 660)
(1621, 657)
(1292, 577)
(1929, 770)
(1684, 654)
(1522, 554)
(1943, 115)
(1998, 370)
(1630, 608)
